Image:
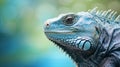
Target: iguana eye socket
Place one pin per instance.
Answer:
(69, 19)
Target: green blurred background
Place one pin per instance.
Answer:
(22, 40)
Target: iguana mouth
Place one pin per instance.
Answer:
(63, 31)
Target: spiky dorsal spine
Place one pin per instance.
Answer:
(107, 15)
(118, 18)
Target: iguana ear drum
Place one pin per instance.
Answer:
(69, 19)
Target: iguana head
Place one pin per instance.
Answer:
(76, 34)
(79, 34)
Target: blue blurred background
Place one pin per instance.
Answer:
(22, 40)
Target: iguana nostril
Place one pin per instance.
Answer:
(47, 23)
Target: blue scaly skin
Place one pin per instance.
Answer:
(91, 39)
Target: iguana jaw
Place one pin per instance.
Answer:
(74, 52)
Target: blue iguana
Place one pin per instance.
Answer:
(91, 38)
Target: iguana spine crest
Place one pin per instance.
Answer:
(107, 15)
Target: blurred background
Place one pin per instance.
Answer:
(22, 40)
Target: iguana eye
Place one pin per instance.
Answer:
(69, 19)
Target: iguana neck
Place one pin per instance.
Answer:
(102, 49)
(94, 59)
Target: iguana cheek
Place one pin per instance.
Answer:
(87, 45)
(83, 44)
